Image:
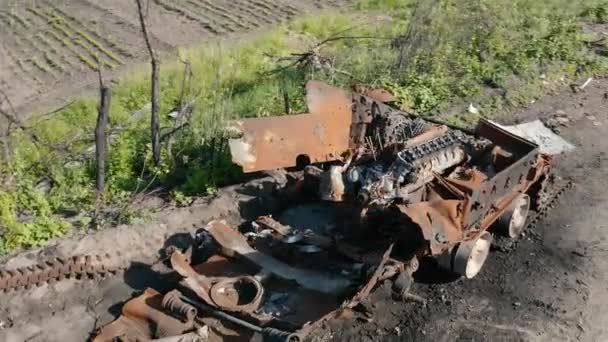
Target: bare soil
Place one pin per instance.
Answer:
(550, 286)
(48, 49)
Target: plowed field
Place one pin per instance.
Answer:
(50, 50)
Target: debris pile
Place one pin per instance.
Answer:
(400, 189)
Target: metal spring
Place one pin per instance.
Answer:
(181, 310)
(276, 335)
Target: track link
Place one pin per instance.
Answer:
(57, 269)
(551, 200)
(100, 266)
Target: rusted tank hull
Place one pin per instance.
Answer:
(466, 203)
(279, 142)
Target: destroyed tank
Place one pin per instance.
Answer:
(450, 185)
(406, 188)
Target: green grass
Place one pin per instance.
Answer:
(499, 55)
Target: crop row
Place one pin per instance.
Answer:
(45, 40)
(221, 17)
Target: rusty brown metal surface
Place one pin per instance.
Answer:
(475, 198)
(378, 94)
(221, 292)
(233, 243)
(138, 316)
(79, 266)
(179, 309)
(270, 223)
(277, 142)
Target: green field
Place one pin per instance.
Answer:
(433, 56)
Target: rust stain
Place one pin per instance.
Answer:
(221, 292)
(277, 142)
(138, 315)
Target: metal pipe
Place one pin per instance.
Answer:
(269, 334)
(221, 314)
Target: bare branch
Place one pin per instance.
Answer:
(45, 116)
(154, 119)
(101, 143)
(14, 119)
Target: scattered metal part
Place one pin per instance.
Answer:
(271, 223)
(378, 94)
(375, 278)
(272, 334)
(234, 243)
(295, 238)
(236, 294)
(414, 298)
(138, 315)
(535, 131)
(379, 275)
(173, 303)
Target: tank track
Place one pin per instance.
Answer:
(550, 200)
(57, 269)
(100, 266)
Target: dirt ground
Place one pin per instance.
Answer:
(48, 49)
(551, 286)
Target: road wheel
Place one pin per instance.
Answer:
(471, 255)
(513, 220)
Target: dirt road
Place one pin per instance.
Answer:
(551, 286)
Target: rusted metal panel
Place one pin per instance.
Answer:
(440, 222)
(474, 197)
(233, 243)
(277, 142)
(220, 292)
(138, 315)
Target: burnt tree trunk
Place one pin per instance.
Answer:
(101, 142)
(154, 119)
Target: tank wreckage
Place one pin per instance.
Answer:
(401, 189)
